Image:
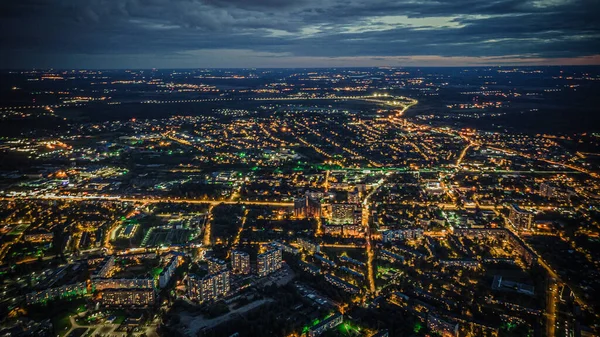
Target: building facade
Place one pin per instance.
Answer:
(240, 262)
(128, 297)
(210, 287)
(215, 266)
(268, 262)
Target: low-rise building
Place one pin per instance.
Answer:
(65, 291)
(127, 297)
(100, 284)
(326, 324)
(39, 237)
(402, 234)
(338, 282)
(309, 246)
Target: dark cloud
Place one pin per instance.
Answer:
(77, 33)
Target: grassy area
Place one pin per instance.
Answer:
(61, 324)
(59, 313)
(156, 272)
(120, 316)
(355, 253)
(19, 229)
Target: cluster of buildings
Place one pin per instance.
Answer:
(109, 290)
(343, 218)
(138, 292)
(552, 191)
(217, 284)
(38, 237)
(526, 253)
(212, 286)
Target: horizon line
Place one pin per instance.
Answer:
(315, 67)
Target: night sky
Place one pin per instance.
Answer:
(296, 33)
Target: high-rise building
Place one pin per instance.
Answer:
(268, 262)
(520, 218)
(209, 287)
(300, 207)
(343, 214)
(240, 262)
(216, 265)
(313, 208)
(167, 273)
(308, 206)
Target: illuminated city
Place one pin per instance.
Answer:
(334, 201)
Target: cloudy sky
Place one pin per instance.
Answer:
(296, 33)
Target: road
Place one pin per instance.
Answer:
(552, 294)
(569, 166)
(365, 223)
(445, 206)
(152, 200)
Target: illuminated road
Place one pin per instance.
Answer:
(572, 167)
(462, 155)
(206, 241)
(365, 223)
(236, 240)
(152, 200)
(548, 268)
(391, 100)
(552, 294)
